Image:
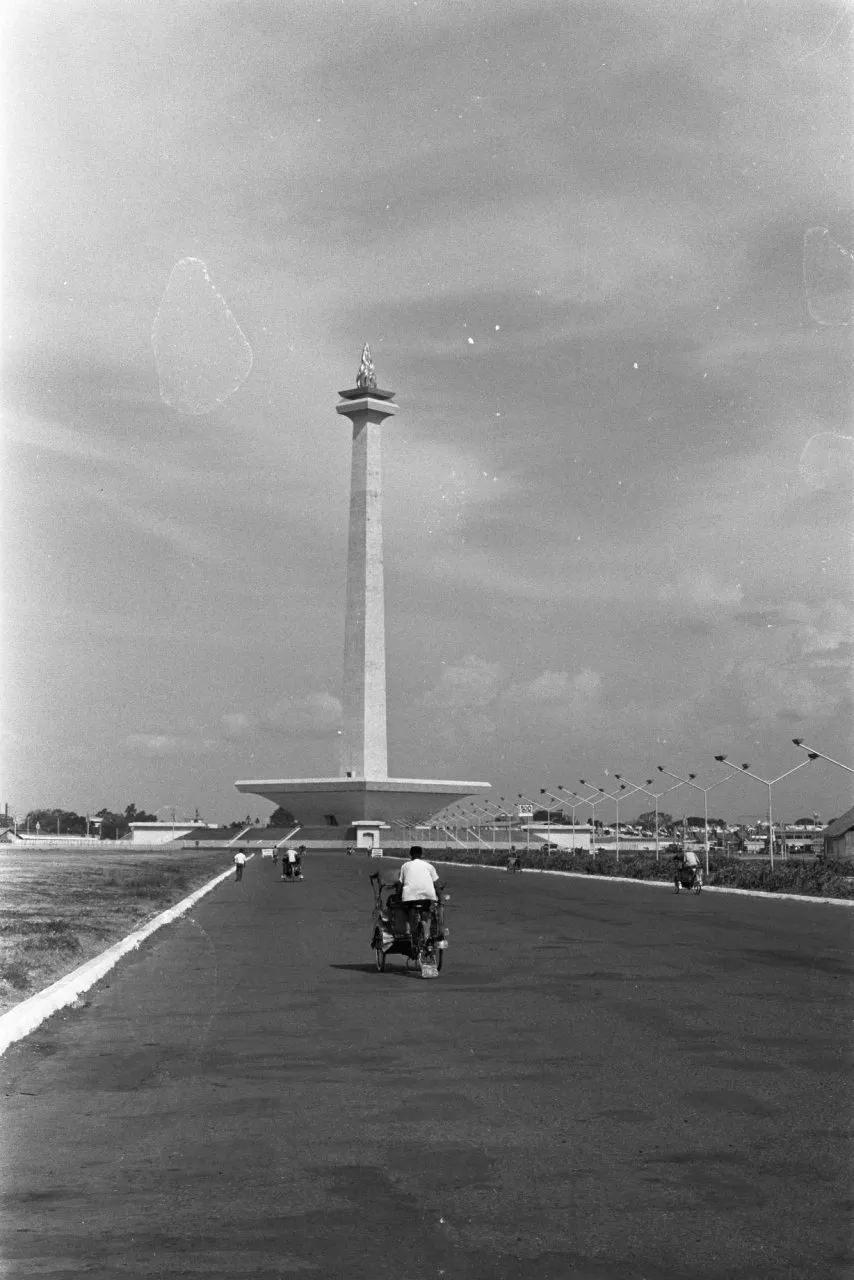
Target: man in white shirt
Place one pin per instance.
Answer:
(687, 858)
(239, 864)
(417, 884)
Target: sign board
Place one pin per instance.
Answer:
(524, 811)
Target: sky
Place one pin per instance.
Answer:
(601, 253)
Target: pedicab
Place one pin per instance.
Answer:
(687, 877)
(292, 867)
(391, 936)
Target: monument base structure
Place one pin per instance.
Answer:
(360, 803)
(339, 811)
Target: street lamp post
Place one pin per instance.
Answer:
(769, 783)
(689, 782)
(819, 755)
(656, 796)
(491, 817)
(507, 813)
(477, 826)
(493, 813)
(524, 799)
(569, 803)
(548, 808)
(593, 803)
(616, 797)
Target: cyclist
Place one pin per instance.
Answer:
(417, 880)
(686, 859)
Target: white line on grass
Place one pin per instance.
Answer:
(655, 884)
(30, 1013)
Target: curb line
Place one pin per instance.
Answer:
(23, 1018)
(655, 884)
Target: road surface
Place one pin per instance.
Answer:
(607, 1082)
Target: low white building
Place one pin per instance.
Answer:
(563, 837)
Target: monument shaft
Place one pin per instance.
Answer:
(364, 752)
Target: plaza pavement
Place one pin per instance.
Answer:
(607, 1082)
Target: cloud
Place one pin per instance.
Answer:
(701, 587)
(827, 462)
(765, 691)
(476, 694)
(436, 485)
(311, 715)
(557, 688)
(237, 724)
(462, 687)
(156, 745)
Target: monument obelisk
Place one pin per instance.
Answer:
(364, 752)
(360, 802)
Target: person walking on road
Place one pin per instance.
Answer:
(239, 864)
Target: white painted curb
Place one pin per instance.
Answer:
(30, 1013)
(655, 884)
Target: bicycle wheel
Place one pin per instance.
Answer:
(380, 958)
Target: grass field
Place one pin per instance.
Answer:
(60, 907)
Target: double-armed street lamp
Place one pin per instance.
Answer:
(689, 782)
(491, 821)
(769, 783)
(548, 808)
(616, 796)
(654, 795)
(819, 755)
(593, 803)
(506, 812)
(523, 799)
(477, 827)
(571, 804)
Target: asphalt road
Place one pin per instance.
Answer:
(607, 1082)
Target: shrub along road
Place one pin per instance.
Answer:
(604, 1084)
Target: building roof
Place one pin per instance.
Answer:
(840, 825)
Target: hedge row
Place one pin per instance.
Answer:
(819, 878)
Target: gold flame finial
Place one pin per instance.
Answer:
(366, 377)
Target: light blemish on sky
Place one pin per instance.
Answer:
(828, 278)
(827, 461)
(201, 353)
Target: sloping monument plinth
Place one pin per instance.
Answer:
(363, 794)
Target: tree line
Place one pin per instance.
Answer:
(115, 825)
